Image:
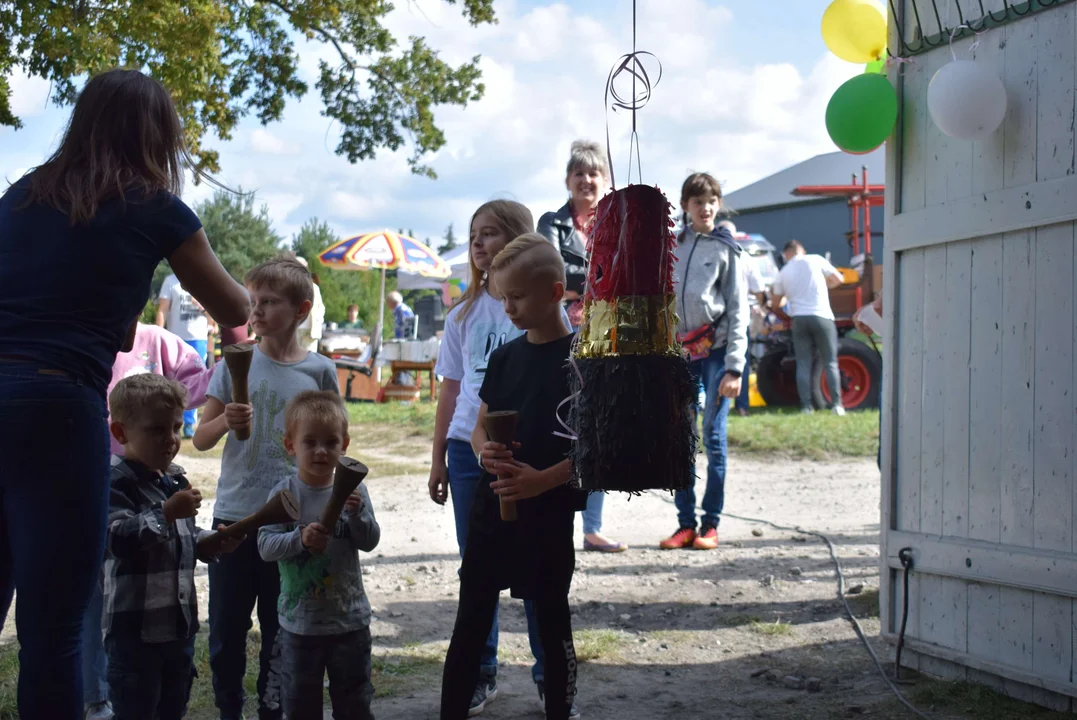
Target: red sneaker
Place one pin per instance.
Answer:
(707, 539)
(678, 540)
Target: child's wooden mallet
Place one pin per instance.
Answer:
(238, 358)
(281, 508)
(350, 472)
(501, 428)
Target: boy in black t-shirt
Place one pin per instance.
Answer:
(534, 555)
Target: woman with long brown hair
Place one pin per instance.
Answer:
(80, 236)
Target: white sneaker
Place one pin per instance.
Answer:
(100, 711)
(807, 411)
(838, 410)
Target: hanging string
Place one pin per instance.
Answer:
(953, 35)
(633, 65)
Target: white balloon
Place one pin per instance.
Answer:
(966, 100)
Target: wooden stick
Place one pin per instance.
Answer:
(281, 508)
(501, 428)
(238, 358)
(350, 472)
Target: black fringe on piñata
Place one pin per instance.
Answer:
(635, 423)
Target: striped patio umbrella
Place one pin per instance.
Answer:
(383, 251)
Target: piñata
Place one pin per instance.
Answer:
(633, 413)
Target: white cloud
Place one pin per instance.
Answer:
(263, 141)
(545, 70)
(29, 95)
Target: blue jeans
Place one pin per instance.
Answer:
(464, 475)
(94, 660)
(305, 661)
(54, 464)
(150, 680)
(743, 402)
(190, 417)
(715, 414)
(237, 582)
(592, 514)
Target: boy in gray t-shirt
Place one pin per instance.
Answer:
(324, 612)
(281, 291)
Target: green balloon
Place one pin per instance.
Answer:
(862, 113)
(876, 67)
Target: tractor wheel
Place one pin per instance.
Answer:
(776, 379)
(861, 371)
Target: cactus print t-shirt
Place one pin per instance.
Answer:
(251, 468)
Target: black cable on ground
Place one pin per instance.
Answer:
(841, 595)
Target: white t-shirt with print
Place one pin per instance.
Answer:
(185, 318)
(803, 282)
(465, 350)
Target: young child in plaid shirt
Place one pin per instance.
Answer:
(151, 611)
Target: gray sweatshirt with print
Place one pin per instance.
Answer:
(711, 290)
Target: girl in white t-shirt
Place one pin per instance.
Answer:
(474, 328)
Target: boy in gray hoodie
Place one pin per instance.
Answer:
(323, 609)
(712, 303)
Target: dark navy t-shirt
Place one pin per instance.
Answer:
(69, 293)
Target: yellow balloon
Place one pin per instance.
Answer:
(855, 30)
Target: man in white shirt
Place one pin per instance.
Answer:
(179, 313)
(310, 330)
(806, 281)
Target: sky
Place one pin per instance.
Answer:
(743, 94)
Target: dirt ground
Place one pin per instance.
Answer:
(732, 633)
(683, 634)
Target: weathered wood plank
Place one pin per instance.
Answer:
(1052, 646)
(1053, 386)
(938, 146)
(1019, 288)
(955, 371)
(983, 628)
(988, 155)
(1022, 49)
(915, 121)
(1055, 91)
(933, 411)
(1016, 640)
(909, 374)
(1034, 569)
(943, 620)
(985, 382)
(1008, 210)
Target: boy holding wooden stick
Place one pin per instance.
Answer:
(281, 292)
(532, 555)
(323, 609)
(151, 609)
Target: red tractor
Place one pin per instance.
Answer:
(859, 363)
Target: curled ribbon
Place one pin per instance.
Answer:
(571, 433)
(632, 64)
(953, 35)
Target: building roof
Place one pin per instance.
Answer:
(836, 168)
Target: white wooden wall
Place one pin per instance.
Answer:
(980, 419)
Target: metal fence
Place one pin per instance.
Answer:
(929, 27)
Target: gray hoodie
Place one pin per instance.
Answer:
(710, 288)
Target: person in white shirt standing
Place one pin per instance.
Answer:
(310, 330)
(182, 315)
(806, 280)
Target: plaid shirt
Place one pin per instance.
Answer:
(149, 564)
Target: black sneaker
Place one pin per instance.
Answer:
(573, 713)
(484, 693)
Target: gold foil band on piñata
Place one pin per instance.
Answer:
(631, 325)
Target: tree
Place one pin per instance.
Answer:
(341, 288)
(241, 237)
(450, 240)
(224, 59)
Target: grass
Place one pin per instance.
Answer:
(819, 436)
(774, 629)
(414, 418)
(598, 643)
(975, 701)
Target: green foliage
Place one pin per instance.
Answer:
(450, 241)
(241, 236)
(225, 59)
(341, 288)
